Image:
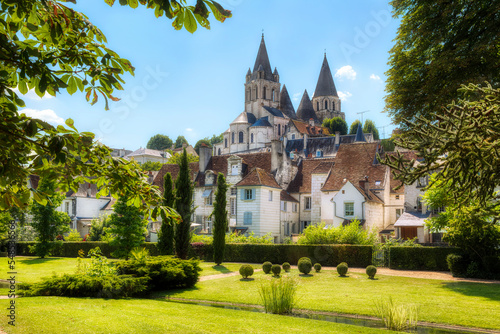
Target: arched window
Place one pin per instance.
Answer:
(219, 151)
(326, 104)
(273, 97)
(240, 137)
(247, 95)
(225, 143)
(232, 138)
(251, 137)
(255, 93)
(279, 130)
(317, 105)
(264, 93)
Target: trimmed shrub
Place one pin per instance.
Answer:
(166, 272)
(317, 267)
(246, 270)
(286, 266)
(371, 271)
(457, 265)
(342, 269)
(420, 258)
(76, 285)
(276, 269)
(266, 267)
(305, 265)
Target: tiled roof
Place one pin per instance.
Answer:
(369, 195)
(284, 196)
(305, 128)
(147, 151)
(261, 160)
(258, 177)
(189, 150)
(352, 163)
(173, 169)
(323, 168)
(302, 181)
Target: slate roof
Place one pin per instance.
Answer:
(258, 177)
(353, 162)
(360, 136)
(286, 105)
(173, 169)
(262, 122)
(302, 181)
(306, 111)
(411, 219)
(245, 117)
(284, 196)
(305, 128)
(262, 62)
(325, 144)
(325, 85)
(274, 111)
(147, 151)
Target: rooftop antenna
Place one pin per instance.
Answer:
(362, 112)
(383, 129)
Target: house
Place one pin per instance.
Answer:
(143, 155)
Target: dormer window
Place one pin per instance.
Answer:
(319, 154)
(291, 155)
(377, 183)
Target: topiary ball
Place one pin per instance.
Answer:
(246, 270)
(317, 267)
(266, 267)
(342, 269)
(286, 266)
(304, 266)
(276, 269)
(304, 259)
(371, 271)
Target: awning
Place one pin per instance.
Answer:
(411, 219)
(207, 193)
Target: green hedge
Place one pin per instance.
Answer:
(420, 258)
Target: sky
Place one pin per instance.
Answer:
(193, 84)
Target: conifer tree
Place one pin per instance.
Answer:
(183, 205)
(220, 220)
(166, 235)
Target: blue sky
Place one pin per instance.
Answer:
(193, 84)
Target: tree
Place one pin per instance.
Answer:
(128, 226)
(48, 222)
(205, 141)
(335, 124)
(151, 166)
(220, 220)
(439, 46)
(167, 230)
(159, 142)
(354, 127)
(183, 205)
(176, 159)
(369, 127)
(216, 139)
(49, 47)
(179, 141)
(388, 145)
(99, 228)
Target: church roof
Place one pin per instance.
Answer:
(359, 134)
(274, 111)
(306, 111)
(262, 62)
(262, 122)
(245, 117)
(286, 105)
(325, 85)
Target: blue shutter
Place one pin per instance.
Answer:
(247, 218)
(253, 197)
(242, 194)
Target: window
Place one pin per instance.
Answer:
(66, 207)
(422, 181)
(343, 191)
(293, 136)
(264, 93)
(317, 105)
(233, 191)
(307, 203)
(247, 218)
(291, 155)
(397, 196)
(251, 137)
(437, 210)
(283, 206)
(234, 169)
(207, 195)
(233, 206)
(219, 151)
(255, 91)
(287, 228)
(240, 137)
(248, 194)
(273, 96)
(319, 154)
(326, 104)
(349, 209)
(377, 183)
(399, 212)
(225, 143)
(232, 138)
(270, 195)
(294, 207)
(279, 129)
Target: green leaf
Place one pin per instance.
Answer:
(71, 86)
(110, 2)
(23, 87)
(133, 3)
(69, 122)
(190, 21)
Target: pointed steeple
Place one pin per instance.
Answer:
(306, 111)
(325, 85)
(262, 60)
(249, 72)
(286, 105)
(360, 136)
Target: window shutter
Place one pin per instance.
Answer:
(242, 194)
(253, 197)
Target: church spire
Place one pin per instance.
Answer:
(286, 105)
(325, 85)
(262, 60)
(306, 111)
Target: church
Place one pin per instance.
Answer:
(269, 113)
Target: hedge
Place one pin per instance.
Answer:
(326, 255)
(420, 258)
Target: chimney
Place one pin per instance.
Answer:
(276, 155)
(337, 138)
(311, 122)
(305, 144)
(364, 184)
(205, 155)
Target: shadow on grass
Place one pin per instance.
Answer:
(249, 279)
(38, 260)
(306, 275)
(221, 269)
(485, 290)
(171, 293)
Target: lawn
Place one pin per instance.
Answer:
(85, 315)
(460, 303)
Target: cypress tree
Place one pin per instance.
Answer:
(166, 237)
(220, 220)
(183, 205)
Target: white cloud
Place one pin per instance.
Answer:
(375, 77)
(344, 96)
(189, 129)
(346, 72)
(296, 96)
(32, 95)
(47, 115)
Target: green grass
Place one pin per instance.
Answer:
(209, 268)
(460, 303)
(82, 315)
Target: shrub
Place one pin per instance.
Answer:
(457, 265)
(73, 236)
(139, 254)
(419, 258)
(305, 265)
(351, 234)
(246, 270)
(278, 295)
(342, 269)
(77, 285)
(371, 271)
(286, 266)
(396, 317)
(317, 267)
(276, 269)
(166, 272)
(266, 267)
(98, 267)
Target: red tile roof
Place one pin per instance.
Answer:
(284, 196)
(305, 128)
(173, 169)
(302, 181)
(258, 177)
